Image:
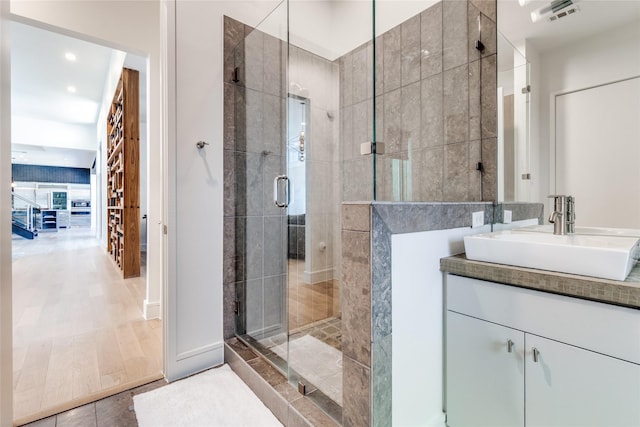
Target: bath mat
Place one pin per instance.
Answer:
(217, 397)
(317, 362)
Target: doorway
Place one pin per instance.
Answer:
(79, 328)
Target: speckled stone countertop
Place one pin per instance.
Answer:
(625, 293)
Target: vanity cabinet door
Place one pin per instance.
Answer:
(570, 386)
(484, 373)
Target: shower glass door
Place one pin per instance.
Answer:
(303, 97)
(261, 186)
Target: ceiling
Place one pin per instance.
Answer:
(51, 124)
(594, 16)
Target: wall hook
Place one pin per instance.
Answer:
(201, 144)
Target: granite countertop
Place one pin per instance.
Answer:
(625, 293)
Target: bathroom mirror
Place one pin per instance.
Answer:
(569, 106)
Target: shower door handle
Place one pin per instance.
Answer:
(276, 191)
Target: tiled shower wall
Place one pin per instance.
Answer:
(254, 126)
(435, 107)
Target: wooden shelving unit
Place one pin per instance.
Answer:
(123, 175)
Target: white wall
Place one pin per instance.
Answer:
(417, 313)
(597, 145)
(132, 26)
(6, 329)
(48, 133)
(194, 102)
(417, 319)
(607, 57)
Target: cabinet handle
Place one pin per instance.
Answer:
(536, 354)
(510, 345)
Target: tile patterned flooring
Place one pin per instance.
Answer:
(112, 411)
(79, 333)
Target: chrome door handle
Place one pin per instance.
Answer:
(536, 354)
(510, 345)
(276, 191)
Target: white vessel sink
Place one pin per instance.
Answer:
(604, 256)
(587, 231)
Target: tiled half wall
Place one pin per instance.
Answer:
(367, 229)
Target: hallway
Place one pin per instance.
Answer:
(79, 333)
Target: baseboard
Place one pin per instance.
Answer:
(151, 310)
(317, 276)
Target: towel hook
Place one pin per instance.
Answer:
(201, 144)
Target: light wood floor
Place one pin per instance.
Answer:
(309, 303)
(78, 326)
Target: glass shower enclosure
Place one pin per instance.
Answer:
(340, 101)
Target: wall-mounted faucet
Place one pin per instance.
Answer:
(563, 216)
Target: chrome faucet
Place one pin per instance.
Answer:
(563, 216)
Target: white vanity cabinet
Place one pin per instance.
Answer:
(586, 369)
(485, 373)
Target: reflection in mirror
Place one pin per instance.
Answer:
(584, 104)
(513, 123)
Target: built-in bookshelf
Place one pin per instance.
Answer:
(123, 175)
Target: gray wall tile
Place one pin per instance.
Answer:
(474, 100)
(488, 7)
(392, 58)
(346, 80)
(275, 302)
(481, 28)
(455, 27)
(356, 217)
(410, 111)
(229, 129)
(254, 104)
(428, 173)
(356, 296)
(229, 166)
(254, 247)
(379, 51)
(431, 40)
(233, 36)
(489, 97)
(489, 160)
(475, 176)
(356, 385)
(254, 311)
(392, 135)
(456, 171)
(360, 73)
(275, 239)
(346, 133)
(411, 54)
(254, 60)
(456, 104)
(274, 66)
(432, 111)
(382, 387)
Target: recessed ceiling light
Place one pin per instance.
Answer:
(70, 56)
(71, 89)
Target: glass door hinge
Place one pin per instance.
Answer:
(369, 147)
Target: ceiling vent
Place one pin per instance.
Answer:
(563, 13)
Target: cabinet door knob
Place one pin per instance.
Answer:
(536, 354)
(510, 345)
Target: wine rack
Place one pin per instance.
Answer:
(123, 175)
